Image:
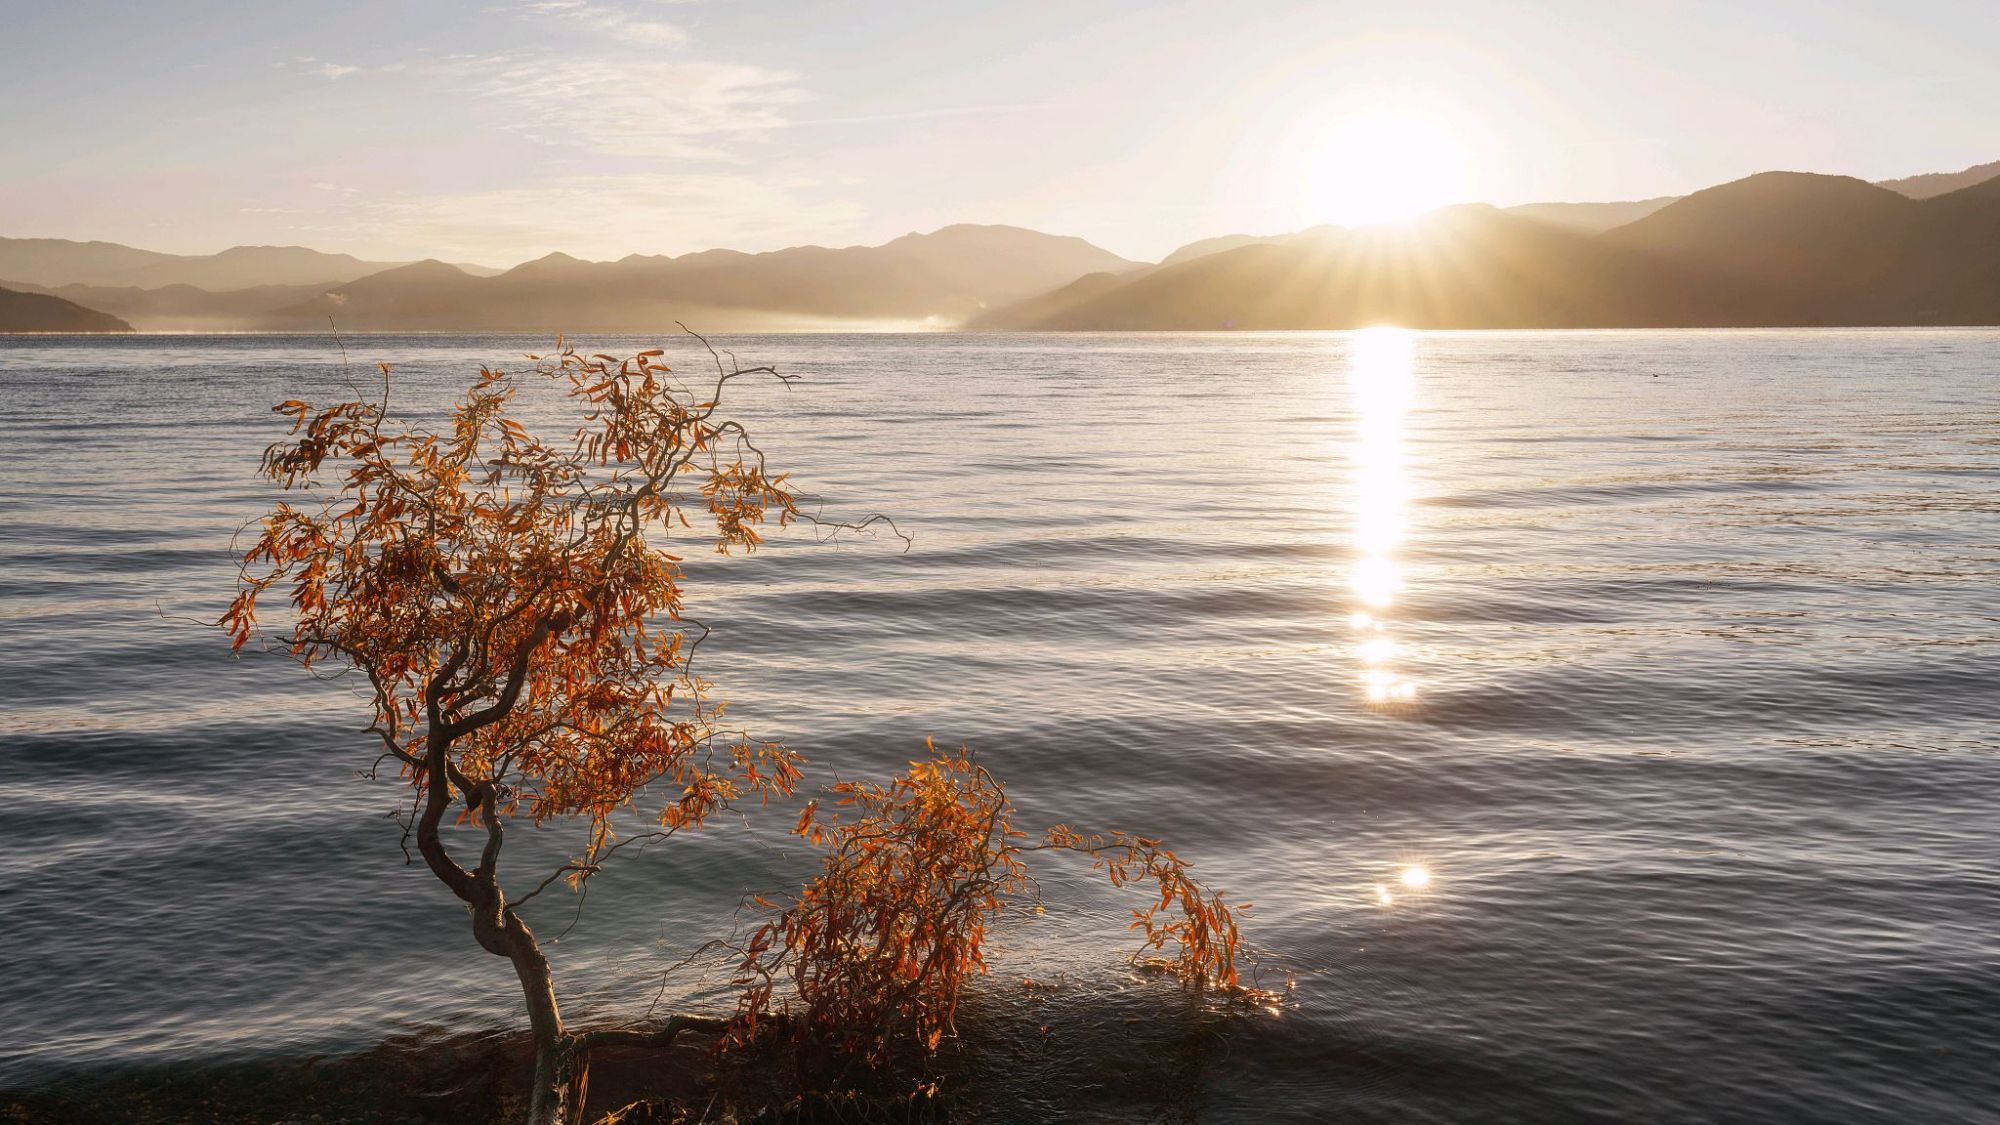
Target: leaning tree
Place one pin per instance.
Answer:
(519, 628)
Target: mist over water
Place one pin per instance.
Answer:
(1668, 658)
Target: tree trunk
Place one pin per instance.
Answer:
(559, 1076)
(561, 1073)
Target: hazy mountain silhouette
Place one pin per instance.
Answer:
(1595, 217)
(183, 308)
(39, 312)
(1779, 248)
(55, 262)
(1808, 249)
(1942, 183)
(938, 278)
(1093, 283)
(1202, 248)
(1952, 256)
(1805, 248)
(1592, 218)
(58, 261)
(1472, 265)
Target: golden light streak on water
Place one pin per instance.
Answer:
(1380, 381)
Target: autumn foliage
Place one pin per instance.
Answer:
(878, 948)
(519, 629)
(500, 593)
(1191, 929)
(506, 600)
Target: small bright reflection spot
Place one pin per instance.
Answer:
(1416, 875)
(1383, 896)
(1379, 650)
(1359, 620)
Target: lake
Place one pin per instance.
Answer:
(1672, 659)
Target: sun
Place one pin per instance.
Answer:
(1383, 165)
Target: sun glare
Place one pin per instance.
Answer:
(1383, 166)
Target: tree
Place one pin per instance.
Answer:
(520, 634)
(878, 947)
(522, 640)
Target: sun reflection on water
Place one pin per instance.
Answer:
(1380, 381)
(1415, 879)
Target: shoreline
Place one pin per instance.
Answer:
(469, 1077)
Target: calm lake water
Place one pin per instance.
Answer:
(1673, 658)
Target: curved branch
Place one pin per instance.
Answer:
(517, 677)
(632, 1037)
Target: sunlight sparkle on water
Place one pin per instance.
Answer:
(1381, 384)
(1416, 875)
(1377, 580)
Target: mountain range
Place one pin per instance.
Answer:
(58, 261)
(1777, 248)
(919, 280)
(39, 312)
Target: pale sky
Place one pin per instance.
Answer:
(501, 130)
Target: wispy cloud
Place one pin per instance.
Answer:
(923, 114)
(653, 150)
(606, 20)
(311, 65)
(689, 109)
(625, 88)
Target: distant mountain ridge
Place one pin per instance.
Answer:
(56, 262)
(937, 279)
(183, 308)
(1941, 183)
(1595, 217)
(39, 312)
(1790, 248)
(1777, 248)
(1592, 217)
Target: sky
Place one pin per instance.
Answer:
(502, 130)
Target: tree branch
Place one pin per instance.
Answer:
(632, 1037)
